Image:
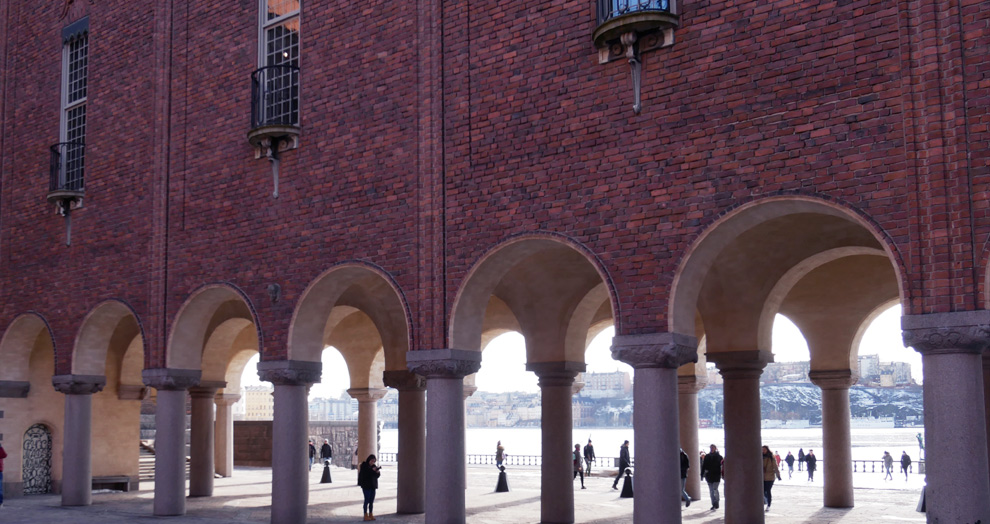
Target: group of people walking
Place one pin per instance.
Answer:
(808, 460)
(888, 465)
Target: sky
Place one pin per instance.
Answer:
(508, 371)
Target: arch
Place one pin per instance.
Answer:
(339, 292)
(733, 267)
(19, 339)
(206, 309)
(865, 324)
(553, 286)
(107, 320)
(229, 338)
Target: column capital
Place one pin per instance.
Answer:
(367, 394)
(170, 379)
(740, 364)
(577, 387)
(690, 384)
(941, 333)
(226, 399)
(206, 389)
(404, 381)
(443, 363)
(290, 372)
(469, 390)
(655, 350)
(79, 384)
(556, 373)
(833, 378)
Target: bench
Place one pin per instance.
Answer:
(113, 482)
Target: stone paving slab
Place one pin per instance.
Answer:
(246, 497)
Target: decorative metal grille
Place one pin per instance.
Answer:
(608, 9)
(37, 460)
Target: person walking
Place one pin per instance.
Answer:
(354, 460)
(623, 463)
(905, 464)
(312, 454)
(888, 466)
(790, 464)
(770, 472)
(499, 454)
(711, 471)
(368, 480)
(685, 464)
(578, 470)
(801, 459)
(3, 455)
(326, 451)
(812, 462)
(589, 456)
(776, 456)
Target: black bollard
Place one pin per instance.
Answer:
(503, 483)
(627, 488)
(326, 473)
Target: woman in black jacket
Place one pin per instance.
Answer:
(368, 480)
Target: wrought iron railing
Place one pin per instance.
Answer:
(609, 9)
(275, 96)
(67, 167)
(488, 459)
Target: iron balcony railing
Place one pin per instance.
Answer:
(609, 9)
(275, 96)
(67, 166)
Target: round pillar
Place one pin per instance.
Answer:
(743, 458)
(556, 381)
(688, 387)
(444, 370)
(170, 437)
(223, 435)
(367, 419)
(201, 441)
(77, 461)
(655, 359)
(951, 345)
(411, 492)
(837, 470)
(290, 428)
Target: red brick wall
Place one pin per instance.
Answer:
(433, 131)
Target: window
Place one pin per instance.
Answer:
(72, 127)
(277, 80)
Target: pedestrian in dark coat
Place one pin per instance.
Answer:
(905, 464)
(312, 454)
(578, 469)
(624, 463)
(368, 480)
(801, 459)
(326, 451)
(711, 471)
(790, 464)
(685, 465)
(812, 464)
(589, 456)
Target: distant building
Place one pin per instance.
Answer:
(344, 408)
(606, 385)
(259, 404)
(872, 372)
(785, 373)
(869, 369)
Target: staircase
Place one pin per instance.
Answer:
(146, 464)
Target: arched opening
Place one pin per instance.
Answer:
(28, 400)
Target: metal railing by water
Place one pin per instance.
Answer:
(275, 96)
(609, 9)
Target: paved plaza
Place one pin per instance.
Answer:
(246, 497)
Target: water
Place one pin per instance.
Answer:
(867, 444)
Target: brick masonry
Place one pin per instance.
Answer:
(433, 131)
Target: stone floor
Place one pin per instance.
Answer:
(246, 498)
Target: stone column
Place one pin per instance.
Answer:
(743, 483)
(223, 443)
(951, 345)
(77, 461)
(655, 358)
(468, 391)
(201, 436)
(444, 370)
(688, 387)
(411, 493)
(170, 437)
(986, 396)
(837, 468)
(367, 419)
(557, 469)
(290, 428)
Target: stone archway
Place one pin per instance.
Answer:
(821, 265)
(553, 292)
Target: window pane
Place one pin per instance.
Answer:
(78, 57)
(277, 8)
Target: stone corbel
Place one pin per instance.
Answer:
(690, 384)
(833, 378)
(79, 384)
(367, 394)
(290, 372)
(556, 373)
(404, 381)
(14, 389)
(131, 392)
(443, 363)
(943, 333)
(663, 350)
(740, 364)
(171, 379)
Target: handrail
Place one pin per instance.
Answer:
(609, 9)
(275, 96)
(67, 166)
